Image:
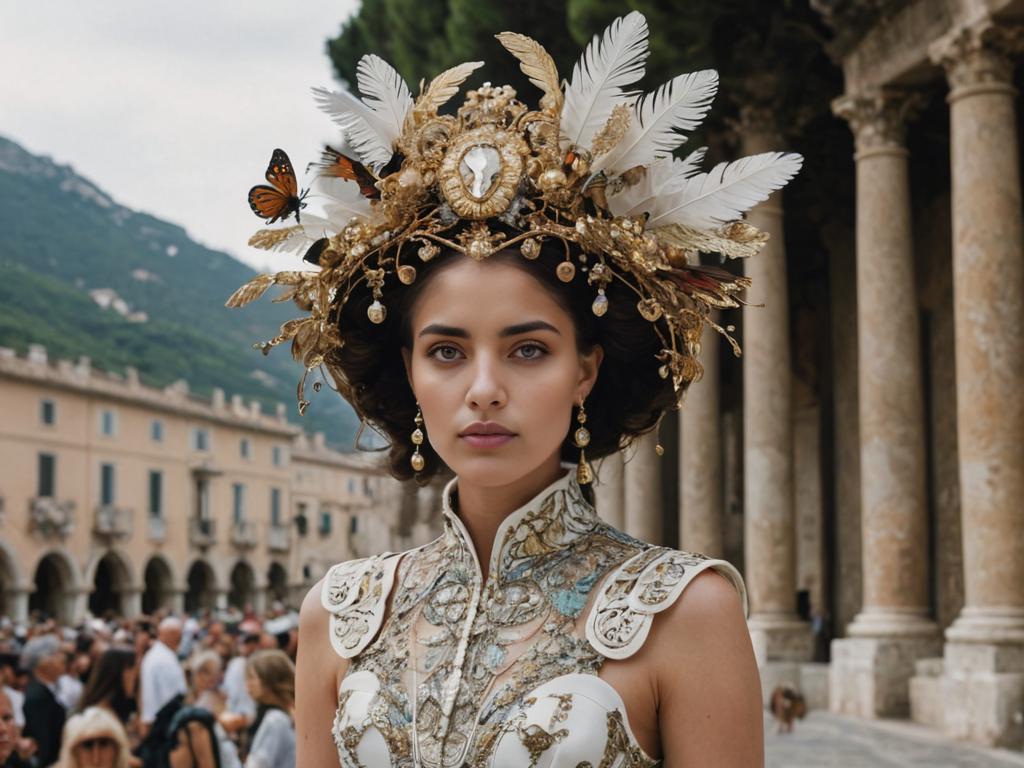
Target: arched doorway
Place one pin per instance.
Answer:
(53, 594)
(158, 585)
(243, 586)
(109, 582)
(277, 582)
(201, 592)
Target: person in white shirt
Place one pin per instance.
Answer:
(162, 677)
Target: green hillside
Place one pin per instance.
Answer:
(61, 238)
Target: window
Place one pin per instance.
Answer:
(200, 439)
(353, 524)
(277, 456)
(108, 422)
(275, 507)
(45, 487)
(238, 503)
(301, 521)
(156, 493)
(48, 412)
(352, 485)
(107, 490)
(325, 522)
(156, 431)
(245, 448)
(367, 489)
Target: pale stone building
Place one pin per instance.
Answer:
(121, 497)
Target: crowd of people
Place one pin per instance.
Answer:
(212, 691)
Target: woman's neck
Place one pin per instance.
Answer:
(482, 509)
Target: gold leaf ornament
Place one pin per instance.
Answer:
(250, 291)
(537, 64)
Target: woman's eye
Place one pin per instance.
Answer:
(445, 353)
(531, 351)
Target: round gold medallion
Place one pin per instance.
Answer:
(480, 173)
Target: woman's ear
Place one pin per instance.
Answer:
(407, 361)
(590, 362)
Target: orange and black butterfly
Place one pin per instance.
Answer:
(281, 200)
(333, 163)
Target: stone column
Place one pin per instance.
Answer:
(769, 534)
(642, 492)
(609, 489)
(16, 599)
(131, 600)
(872, 667)
(700, 457)
(984, 653)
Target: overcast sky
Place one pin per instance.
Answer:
(171, 108)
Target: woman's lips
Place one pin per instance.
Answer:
(487, 441)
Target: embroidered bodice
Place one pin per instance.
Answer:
(501, 672)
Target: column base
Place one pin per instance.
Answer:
(982, 682)
(780, 637)
(871, 669)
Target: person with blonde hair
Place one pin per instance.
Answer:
(270, 680)
(94, 738)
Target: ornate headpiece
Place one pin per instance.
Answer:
(592, 166)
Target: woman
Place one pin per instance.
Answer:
(270, 680)
(111, 683)
(506, 294)
(205, 679)
(94, 739)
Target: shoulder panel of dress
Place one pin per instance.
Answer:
(643, 585)
(355, 593)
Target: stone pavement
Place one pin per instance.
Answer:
(826, 740)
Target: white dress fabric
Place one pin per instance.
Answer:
(500, 672)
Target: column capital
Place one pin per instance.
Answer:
(978, 54)
(878, 118)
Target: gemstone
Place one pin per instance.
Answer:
(418, 462)
(407, 274)
(600, 305)
(376, 312)
(417, 437)
(649, 309)
(566, 271)
(582, 437)
(530, 248)
(479, 167)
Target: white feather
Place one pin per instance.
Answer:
(385, 92)
(662, 177)
(303, 235)
(659, 118)
(343, 201)
(611, 62)
(724, 194)
(371, 126)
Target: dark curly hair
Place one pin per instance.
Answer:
(627, 400)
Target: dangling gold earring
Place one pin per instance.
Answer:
(417, 460)
(584, 474)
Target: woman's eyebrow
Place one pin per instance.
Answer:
(438, 329)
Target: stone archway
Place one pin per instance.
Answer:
(242, 593)
(111, 580)
(202, 587)
(277, 582)
(55, 583)
(158, 585)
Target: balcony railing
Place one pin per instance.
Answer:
(202, 533)
(49, 518)
(111, 522)
(156, 527)
(243, 534)
(279, 538)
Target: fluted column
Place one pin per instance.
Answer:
(769, 530)
(609, 490)
(700, 457)
(642, 489)
(985, 644)
(893, 621)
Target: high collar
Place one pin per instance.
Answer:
(550, 521)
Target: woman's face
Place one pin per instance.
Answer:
(494, 352)
(252, 685)
(207, 677)
(96, 752)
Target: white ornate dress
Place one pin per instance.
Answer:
(502, 672)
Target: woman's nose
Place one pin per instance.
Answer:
(486, 388)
